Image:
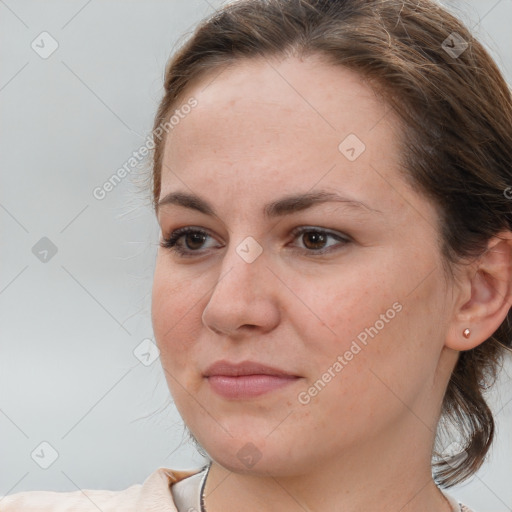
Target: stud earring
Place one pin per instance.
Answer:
(466, 333)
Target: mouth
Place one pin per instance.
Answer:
(246, 379)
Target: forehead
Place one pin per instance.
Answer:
(271, 126)
(280, 98)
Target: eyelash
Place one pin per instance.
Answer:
(171, 242)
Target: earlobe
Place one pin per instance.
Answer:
(489, 280)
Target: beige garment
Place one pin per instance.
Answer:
(154, 495)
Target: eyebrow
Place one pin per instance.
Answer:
(283, 206)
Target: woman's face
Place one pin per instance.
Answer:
(353, 310)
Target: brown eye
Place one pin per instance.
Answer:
(194, 240)
(314, 240)
(187, 241)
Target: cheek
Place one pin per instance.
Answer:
(360, 324)
(176, 323)
(174, 311)
(336, 309)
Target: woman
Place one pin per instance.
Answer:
(333, 288)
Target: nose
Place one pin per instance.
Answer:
(245, 297)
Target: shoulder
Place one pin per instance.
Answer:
(154, 494)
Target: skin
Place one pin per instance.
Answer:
(263, 130)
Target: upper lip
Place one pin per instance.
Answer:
(243, 368)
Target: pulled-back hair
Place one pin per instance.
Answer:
(456, 115)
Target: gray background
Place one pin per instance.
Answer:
(70, 325)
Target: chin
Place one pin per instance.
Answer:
(252, 453)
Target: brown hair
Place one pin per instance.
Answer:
(457, 147)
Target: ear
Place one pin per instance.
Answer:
(485, 296)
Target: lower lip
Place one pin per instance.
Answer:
(248, 386)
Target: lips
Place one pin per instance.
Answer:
(247, 379)
(228, 369)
